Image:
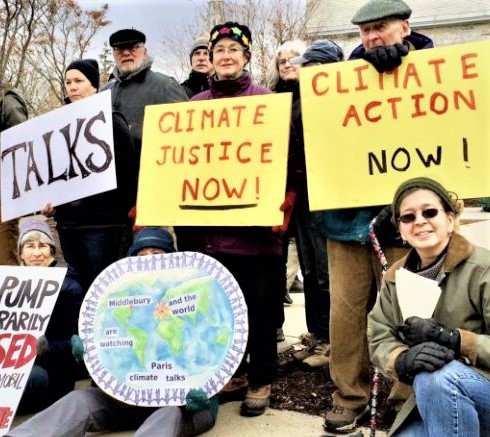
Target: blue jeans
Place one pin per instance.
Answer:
(452, 401)
(88, 251)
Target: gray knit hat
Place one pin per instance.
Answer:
(36, 228)
(448, 200)
(375, 10)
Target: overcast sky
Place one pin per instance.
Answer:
(149, 16)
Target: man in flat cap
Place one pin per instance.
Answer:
(134, 85)
(386, 35)
(355, 271)
(201, 68)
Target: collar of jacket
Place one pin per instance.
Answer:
(145, 66)
(228, 88)
(459, 249)
(414, 41)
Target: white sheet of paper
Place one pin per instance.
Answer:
(417, 296)
(58, 157)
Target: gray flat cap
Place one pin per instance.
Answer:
(375, 10)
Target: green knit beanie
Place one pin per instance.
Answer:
(410, 185)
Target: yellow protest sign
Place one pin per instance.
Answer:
(365, 132)
(216, 162)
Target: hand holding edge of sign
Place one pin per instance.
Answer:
(48, 210)
(386, 58)
(287, 207)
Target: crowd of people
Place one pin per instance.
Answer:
(440, 366)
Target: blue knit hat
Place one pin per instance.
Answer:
(152, 237)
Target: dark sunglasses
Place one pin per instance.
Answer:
(426, 213)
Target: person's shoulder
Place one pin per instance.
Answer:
(203, 95)
(259, 89)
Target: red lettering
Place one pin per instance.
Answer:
(351, 113)
(205, 190)
(340, 90)
(224, 118)
(358, 70)
(393, 73)
(466, 66)
(418, 112)
(239, 115)
(314, 84)
(233, 192)
(238, 152)
(265, 149)
(193, 190)
(436, 63)
(21, 350)
(393, 101)
(194, 159)
(5, 415)
(224, 156)
(164, 156)
(162, 118)
(434, 98)
(368, 108)
(411, 72)
(258, 114)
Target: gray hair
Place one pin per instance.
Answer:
(296, 46)
(36, 236)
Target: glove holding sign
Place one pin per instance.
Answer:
(386, 58)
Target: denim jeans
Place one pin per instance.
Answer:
(88, 251)
(452, 401)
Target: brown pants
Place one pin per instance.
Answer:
(9, 232)
(355, 276)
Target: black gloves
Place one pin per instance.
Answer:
(416, 330)
(386, 58)
(424, 357)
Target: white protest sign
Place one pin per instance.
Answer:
(27, 299)
(417, 296)
(156, 326)
(58, 157)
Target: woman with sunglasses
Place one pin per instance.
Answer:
(445, 359)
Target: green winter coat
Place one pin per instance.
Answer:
(464, 304)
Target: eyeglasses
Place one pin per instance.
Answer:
(130, 47)
(232, 51)
(283, 62)
(426, 213)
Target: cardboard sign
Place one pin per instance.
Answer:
(365, 133)
(58, 157)
(27, 299)
(215, 162)
(156, 326)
